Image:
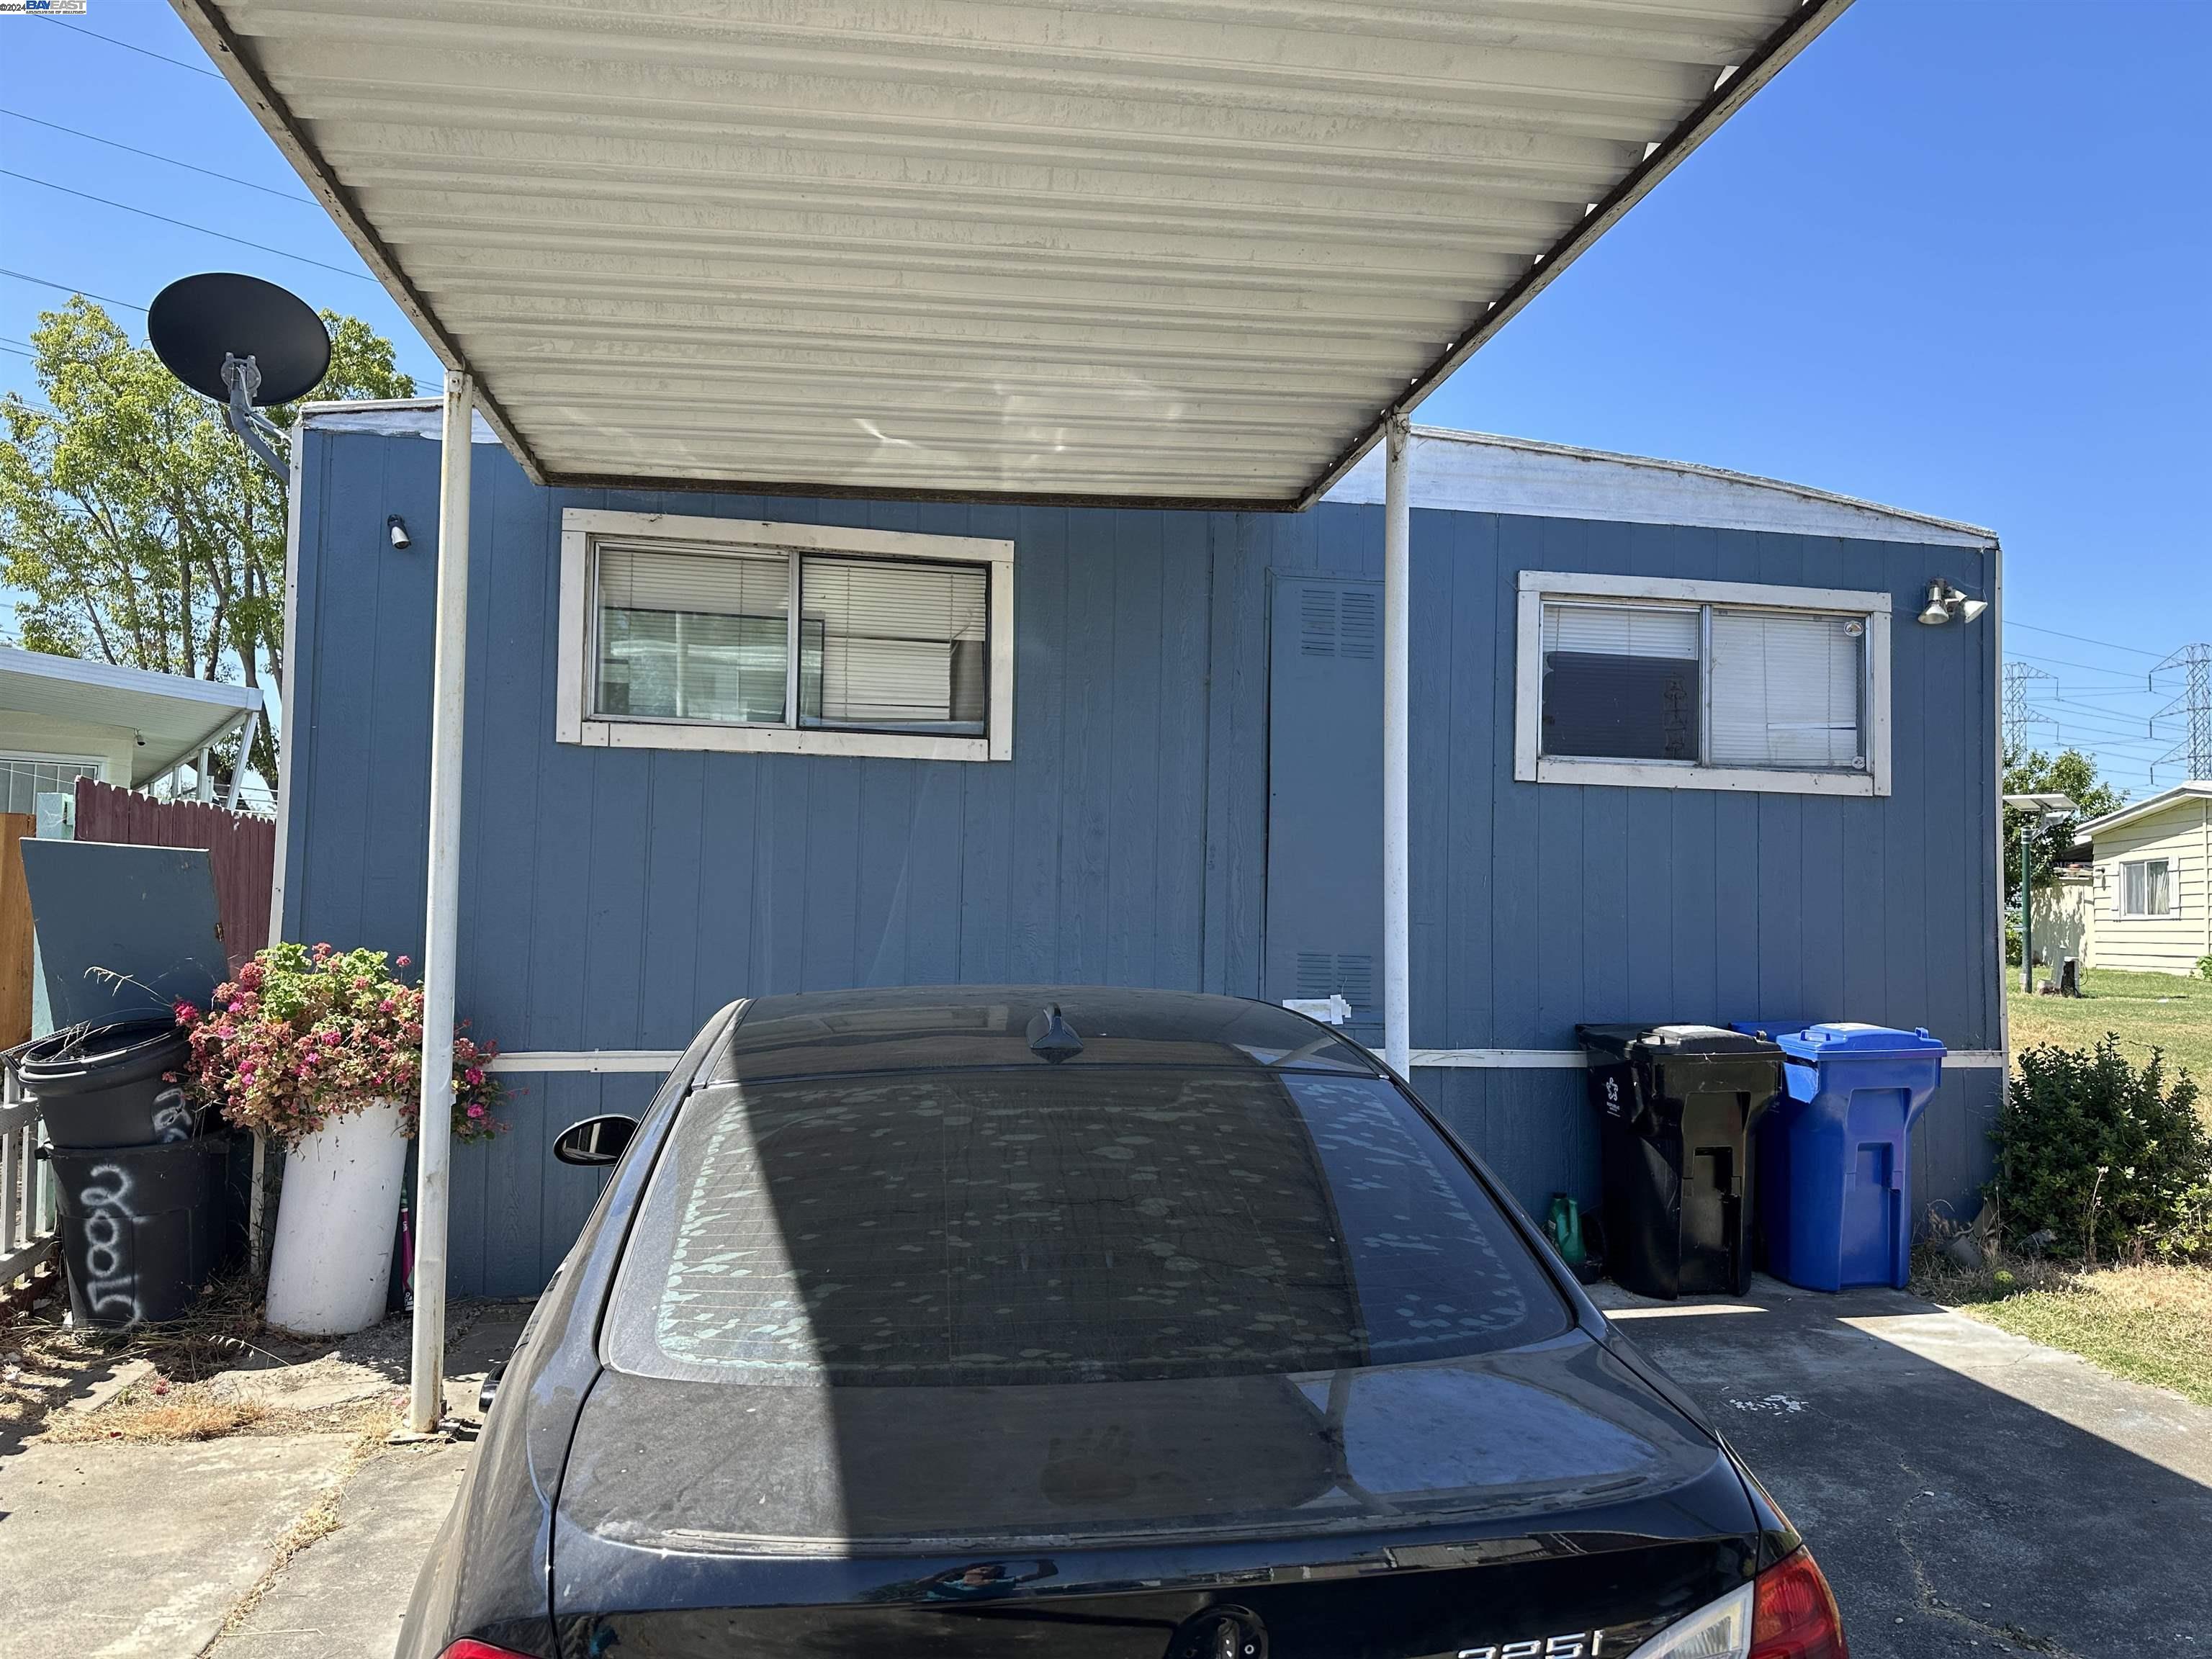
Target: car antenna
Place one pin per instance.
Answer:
(1052, 1037)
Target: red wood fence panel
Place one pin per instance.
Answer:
(242, 849)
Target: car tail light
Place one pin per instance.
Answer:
(1794, 1614)
(469, 1647)
(1786, 1613)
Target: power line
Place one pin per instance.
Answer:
(155, 156)
(2083, 639)
(186, 224)
(17, 351)
(143, 51)
(2064, 662)
(67, 288)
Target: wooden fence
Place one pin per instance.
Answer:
(242, 849)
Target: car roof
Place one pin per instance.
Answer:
(924, 1028)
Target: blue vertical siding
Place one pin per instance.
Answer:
(614, 898)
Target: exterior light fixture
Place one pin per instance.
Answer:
(1945, 602)
(395, 527)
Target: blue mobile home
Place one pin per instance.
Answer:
(1680, 750)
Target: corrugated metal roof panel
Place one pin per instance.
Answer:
(1159, 249)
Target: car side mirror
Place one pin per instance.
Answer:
(596, 1140)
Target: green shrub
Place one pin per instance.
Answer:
(2204, 967)
(2112, 1160)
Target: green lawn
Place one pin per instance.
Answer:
(2147, 1011)
(2151, 1323)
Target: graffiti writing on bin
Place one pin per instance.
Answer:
(113, 1282)
(172, 1117)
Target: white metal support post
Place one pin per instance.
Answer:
(248, 730)
(1397, 921)
(434, 1129)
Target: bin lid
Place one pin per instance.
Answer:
(1850, 1040)
(1662, 1041)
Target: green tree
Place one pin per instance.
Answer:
(134, 527)
(2032, 772)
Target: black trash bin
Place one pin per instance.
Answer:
(1677, 1106)
(107, 1085)
(143, 1228)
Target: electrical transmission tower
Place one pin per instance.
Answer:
(2193, 663)
(2019, 678)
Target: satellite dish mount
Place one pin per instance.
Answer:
(255, 430)
(246, 344)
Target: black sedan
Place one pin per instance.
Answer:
(1087, 1324)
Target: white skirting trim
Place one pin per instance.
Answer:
(1571, 1060)
(1485, 1059)
(1498, 1060)
(586, 1060)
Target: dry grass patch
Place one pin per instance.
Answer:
(159, 1410)
(147, 1414)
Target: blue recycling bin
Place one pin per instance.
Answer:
(1834, 1161)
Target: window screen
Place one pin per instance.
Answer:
(1705, 684)
(1786, 689)
(2146, 889)
(27, 779)
(1620, 681)
(900, 646)
(1045, 1226)
(699, 636)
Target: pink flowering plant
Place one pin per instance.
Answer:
(302, 1036)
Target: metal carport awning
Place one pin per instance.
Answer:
(1187, 251)
(1195, 253)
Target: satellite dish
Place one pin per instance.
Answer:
(198, 323)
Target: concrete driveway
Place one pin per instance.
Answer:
(298, 1538)
(1969, 1493)
(1965, 1490)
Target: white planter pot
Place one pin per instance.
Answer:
(331, 1268)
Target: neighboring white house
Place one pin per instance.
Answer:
(62, 719)
(2154, 881)
(2066, 919)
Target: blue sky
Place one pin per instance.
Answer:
(1954, 259)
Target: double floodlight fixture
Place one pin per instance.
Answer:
(1945, 602)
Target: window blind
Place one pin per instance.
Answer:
(1619, 630)
(1785, 691)
(900, 645)
(693, 635)
(1620, 681)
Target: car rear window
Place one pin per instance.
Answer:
(1064, 1225)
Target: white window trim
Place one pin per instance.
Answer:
(38, 757)
(2121, 912)
(1531, 765)
(575, 722)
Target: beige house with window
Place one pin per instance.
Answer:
(2152, 893)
